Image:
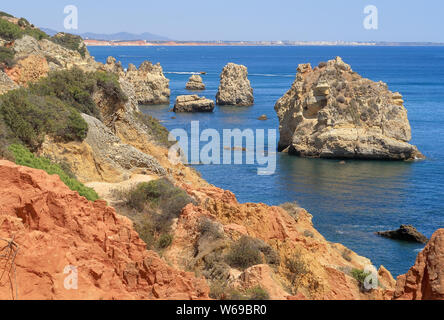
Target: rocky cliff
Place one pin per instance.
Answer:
(195, 83)
(150, 84)
(425, 280)
(46, 230)
(332, 112)
(235, 88)
(294, 261)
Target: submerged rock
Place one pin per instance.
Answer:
(425, 280)
(195, 83)
(193, 103)
(235, 88)
(405, 233)
(332, 112)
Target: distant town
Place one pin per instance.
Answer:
(92, 42)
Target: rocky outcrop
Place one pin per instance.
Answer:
(49, 234)
(425, 280)
(29, 69)
(235, 88)
(332, 112)
(205, 232)
(404, 233)
(150, 84)
(6, 83)
(195, 83)
(102, 156)
(57, 56)
(193, 103)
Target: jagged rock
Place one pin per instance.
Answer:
(405, 233)
(113, 66)
(195, 83)
(29, 69)
(425, 280)
(332, 112)
(6, 83)
(58, 57)
(235, 88)
(59, 233)
(193, 103)
(263, 117)
(150, 84)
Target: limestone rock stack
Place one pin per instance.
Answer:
(332, 112)
(235, 88)
(195, 83)
(150, 84)
(193, 103)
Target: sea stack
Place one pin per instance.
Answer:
(193, 103)
(332, 112)
(150, 84)
(235, 88)
(195, 83)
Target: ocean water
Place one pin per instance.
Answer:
(348, 202)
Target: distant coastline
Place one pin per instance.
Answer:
(144, 43)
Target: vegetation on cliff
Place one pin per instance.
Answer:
(52, 106)
(70, 41)
(25, 158)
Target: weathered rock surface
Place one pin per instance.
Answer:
(193, 103)
(58, 57)
(405, 233)
(325, 267)
(102, 156)
(6, 83)
(235, 88)
(150, 84)
(55, 229)
(29, 69)
(195, 83)
(425, 280)
(332, 112)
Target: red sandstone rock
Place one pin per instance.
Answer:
(54, 228)
(425, 280)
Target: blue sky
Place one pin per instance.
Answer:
(399, 20)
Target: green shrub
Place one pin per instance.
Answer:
(30, 117)
(155, 129)
(165, 241)
(4, 14)
(296, 268)
(292, 209)
(6, 57)
(10, 31)
(258, 293)
(70, 41)
(24, 157)
(109, 83)
(360, 276)
(244, 254)
(73, 87)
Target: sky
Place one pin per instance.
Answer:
(254, 20)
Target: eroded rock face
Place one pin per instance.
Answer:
(6, 83)
(325, 268)
(29, 69)
(58, 57)
(150, 84)
(404, 233)
(56, 228)
(193, 103)
(425, 280)
(332, 112)
(195, 83)
(235, 88)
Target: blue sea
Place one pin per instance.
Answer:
(348, 202)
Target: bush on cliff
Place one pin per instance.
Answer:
(11, 31)
(155, 129)
(30, 117)
(70, 41)
(24, 157)
(244, 254)
(6, 57)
